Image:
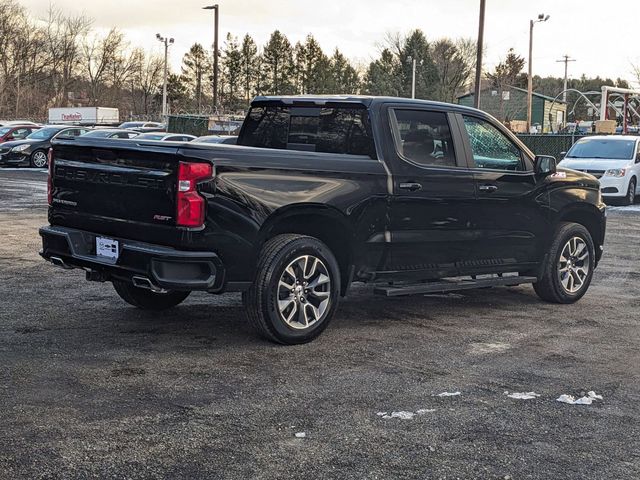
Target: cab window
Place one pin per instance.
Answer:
(339, 129)
(424, 137)
(491, 148)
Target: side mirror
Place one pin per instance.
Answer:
(545, 165)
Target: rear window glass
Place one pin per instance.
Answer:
(314, 129)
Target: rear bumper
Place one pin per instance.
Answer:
(164, 267)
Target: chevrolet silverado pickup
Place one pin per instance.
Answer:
(320, 192)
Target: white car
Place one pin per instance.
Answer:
(614, 160)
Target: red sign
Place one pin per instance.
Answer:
(72, 117)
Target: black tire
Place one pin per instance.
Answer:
(262, 299)
(549, 286)
(37, 157)
(147, 299)
(630, 198)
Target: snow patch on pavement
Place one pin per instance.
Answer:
(484, 348)
(449, 394)
(585, 400)
(522, 395)
(404, 415)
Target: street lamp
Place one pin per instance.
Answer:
(167, 42)
(541, 18)
(215, 54)
(413, 75)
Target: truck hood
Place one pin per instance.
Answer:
(593, 164)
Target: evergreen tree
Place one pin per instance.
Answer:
(195, 66)
(382, 76)
(313, 73)
(344, 78)
(278, 65)
(249, 65)
(232, 71)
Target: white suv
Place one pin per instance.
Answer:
(614, 160)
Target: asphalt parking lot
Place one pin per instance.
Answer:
(93, 388)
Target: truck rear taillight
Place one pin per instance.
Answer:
(190, 204)
(50, 177)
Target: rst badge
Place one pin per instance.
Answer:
(162, 218)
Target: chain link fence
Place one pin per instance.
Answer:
(549, 144)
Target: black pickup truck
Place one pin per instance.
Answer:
(320, 192)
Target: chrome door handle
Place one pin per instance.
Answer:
(488, 188)
(412, 186)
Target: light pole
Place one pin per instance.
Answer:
(541, 18)
(413, 75)
(476, 97)
(215, 54)
(167, 42)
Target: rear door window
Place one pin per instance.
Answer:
(345, 130)
(424, 137)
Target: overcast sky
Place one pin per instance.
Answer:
(604, 41)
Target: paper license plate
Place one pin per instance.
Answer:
(107, 247)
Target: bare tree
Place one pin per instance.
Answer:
(98, 58)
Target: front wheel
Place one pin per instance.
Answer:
(569, 266)
(296, 290)
(630, 198)
(39, 159)
(148, 299)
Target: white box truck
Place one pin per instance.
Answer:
(84, 116)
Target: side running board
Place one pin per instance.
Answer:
(451, 285)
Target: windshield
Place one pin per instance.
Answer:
(44, 133)
(608, 149)
(149, 136)
(4, 130)
(99, 133)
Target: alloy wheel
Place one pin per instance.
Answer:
(573, 265)
(40, 159)
(304, 292)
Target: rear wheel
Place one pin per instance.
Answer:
(39, 159)
(296, 290)
(147, 299)
(569, 266)
(630, 198)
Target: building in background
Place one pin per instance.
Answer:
(510, 107)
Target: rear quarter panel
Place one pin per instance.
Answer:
(254, 187)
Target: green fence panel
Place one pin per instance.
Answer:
(189, 124)
(549, 144)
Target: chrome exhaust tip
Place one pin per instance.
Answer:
(144, 282)
(58, 262)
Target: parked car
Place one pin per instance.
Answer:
(144, 126)
(32, 151)
(111, 133)
(614, 160)
(225, 139)
(7, 123)
(416, 196)
(166, 137)
(11, 133)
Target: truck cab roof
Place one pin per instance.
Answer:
(366, 101)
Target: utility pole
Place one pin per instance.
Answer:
(565, 59)
(215, 54)
(541, 18)
(476, 96)
(414, 62)
(167, 42)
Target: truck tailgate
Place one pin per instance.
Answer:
(117, 187)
